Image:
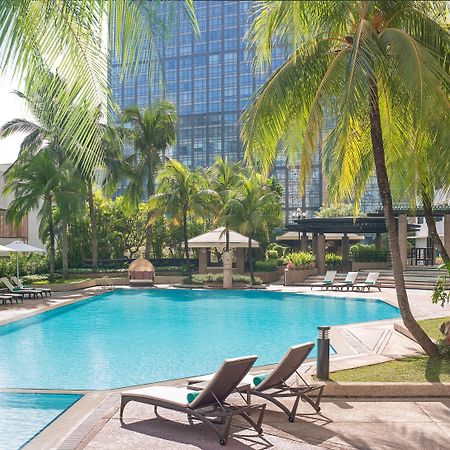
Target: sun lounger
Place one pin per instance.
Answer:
(207, 404)
(4, 299)
(19, 284)
(348, 282)
(274, 386)
(13, 290)
(327, 280)
(370, 282)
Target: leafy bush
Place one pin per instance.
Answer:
(268, 265)
(367, 253)
(275, 251)
(444, 348)
(35, 278)
(333, 261)
(28, 264)
(218, 278)
(300, 260)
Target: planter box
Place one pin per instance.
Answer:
(80, 284)
(292, 276)
(356, 266)
(268, 277)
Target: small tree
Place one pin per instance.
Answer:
(254, 208)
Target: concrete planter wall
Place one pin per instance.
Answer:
(356, 266)
(268, 277)
(81, 284)
(292, 276)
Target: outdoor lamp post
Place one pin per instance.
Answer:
(323, 353)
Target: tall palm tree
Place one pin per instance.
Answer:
(151, 132)
(69, 36)
(39, 182)
(372, 66)
(254, 209)
(179, 194)
(223, 181)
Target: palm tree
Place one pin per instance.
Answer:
(70, 37)
(254, 209)
(223, 180)
(151, 133)
(39, 182)
(376, 68)
(179, 194)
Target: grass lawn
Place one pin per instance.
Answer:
(412, 369)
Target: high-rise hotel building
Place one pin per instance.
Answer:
(210, 79)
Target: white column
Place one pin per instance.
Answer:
(227, 259)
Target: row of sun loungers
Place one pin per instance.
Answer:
(17, 291)
(205, 398)
(349, 283)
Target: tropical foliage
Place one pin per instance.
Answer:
(333, 261)
(374, 75)
(300, 260)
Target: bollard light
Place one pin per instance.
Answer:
(323, 353)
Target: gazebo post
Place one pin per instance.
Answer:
(378, 242)
(314, 244)
(240, 260)
(320, 256)
(403, 238)
(304, 242)
(203, 260)
(345, 247)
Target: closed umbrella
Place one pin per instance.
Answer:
(22, 247)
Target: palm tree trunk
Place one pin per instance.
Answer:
(385, 192)
(51, 256)
(227, 239)
(148, 237)
(431, 223)
(250, 259)
(65, 250)
(93, 218)
(185, 235)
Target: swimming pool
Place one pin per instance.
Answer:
(22, 416)
(130, 337)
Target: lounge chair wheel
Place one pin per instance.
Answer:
(223, 441)
(260, 431)
(291, 419)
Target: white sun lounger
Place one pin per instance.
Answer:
(18, 291)
(19, 284)
(370, 282)
(207, 404)
(275, 386)
(327, 280)
(348, 282)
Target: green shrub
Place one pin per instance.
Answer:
(268, 265)
(300, 260)
(272, 254)
(206, 278)
(367, 253)
(279, 249)
(333, 261)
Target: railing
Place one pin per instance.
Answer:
(421, 256)
(107, 284)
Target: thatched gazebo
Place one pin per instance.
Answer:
(141, 271)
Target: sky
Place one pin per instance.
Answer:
(11, 107)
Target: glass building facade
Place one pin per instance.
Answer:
(210, 79)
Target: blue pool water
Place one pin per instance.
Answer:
(130, 337)
(22, 416)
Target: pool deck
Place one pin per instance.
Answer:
(357, 423)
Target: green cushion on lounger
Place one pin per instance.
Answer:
(348, 281)
(369, 282)
(259, 379)
(327, 281)
(192, 396)
(16, 289)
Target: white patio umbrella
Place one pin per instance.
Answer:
(22, 247)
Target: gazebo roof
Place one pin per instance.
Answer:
(217, 238)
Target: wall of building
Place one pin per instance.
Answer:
(27, 230)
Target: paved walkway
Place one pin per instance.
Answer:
(380, 424)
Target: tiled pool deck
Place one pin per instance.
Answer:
(361, 423)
